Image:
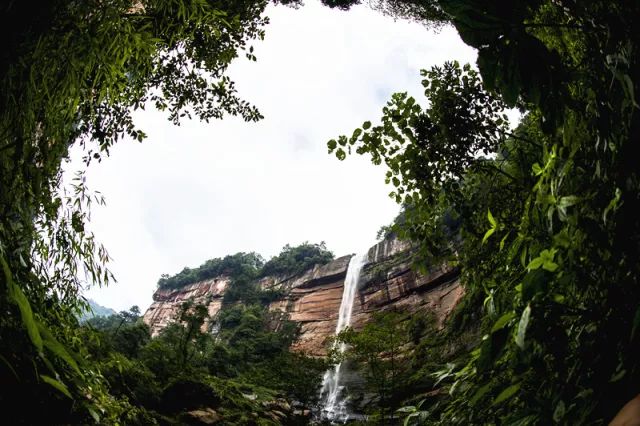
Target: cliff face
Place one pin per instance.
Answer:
(313, 298)
(166, 303)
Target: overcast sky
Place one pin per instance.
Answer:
(199, 191)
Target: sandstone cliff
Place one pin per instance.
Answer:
(313, 298)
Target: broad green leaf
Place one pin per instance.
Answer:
(507, 393)
(332, 144)
(480, 393)
(522, 326)
(56, 384)
(502, 321)
(366, 125)
(559, 298)
(406, 409)
(550, 266)
(535, 263)
(568, 201)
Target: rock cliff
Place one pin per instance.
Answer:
(313, 298)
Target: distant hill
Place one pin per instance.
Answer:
(96, 310)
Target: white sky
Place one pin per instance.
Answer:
(199, 191)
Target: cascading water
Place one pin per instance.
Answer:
(334, 405)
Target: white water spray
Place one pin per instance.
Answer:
(334, 405)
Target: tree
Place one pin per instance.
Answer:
(73, 75)
(377, 349)
(428, 13)
(296, 260)
(428, 152)
(546, 231)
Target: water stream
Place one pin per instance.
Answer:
(334, 402)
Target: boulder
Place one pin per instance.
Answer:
(205, 416)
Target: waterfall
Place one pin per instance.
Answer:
(334, 405)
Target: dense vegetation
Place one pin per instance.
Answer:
(541, 219)
(290, 261)
(73, 73)
(242, 371)
(295, 260)
(229, 265)
(546, 214)
(236, 365)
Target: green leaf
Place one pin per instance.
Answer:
(522, 326)
(535, 263)
(502, 241)
(507, 393)
(493, 222)
(617, 376)
(502, 321)
(614, 204)
(559, 412)
(332, 144)
(56, 384)
(488, 234)
(537, 170)
(19, 298)
(57, 348)
(95, 415)
(568, 201)
(480, 393)
(366, 125)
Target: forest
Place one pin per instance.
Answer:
(539, 216)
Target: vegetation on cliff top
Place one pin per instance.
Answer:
(290, 261)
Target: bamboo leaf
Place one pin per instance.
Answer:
(488, 234)
(19, 298)
(56, 384)
(57, 348)
(507, 393)
(493, 222)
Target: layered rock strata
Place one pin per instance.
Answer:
(313, 298)
(167, 302)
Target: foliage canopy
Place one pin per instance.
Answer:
(546, 228)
